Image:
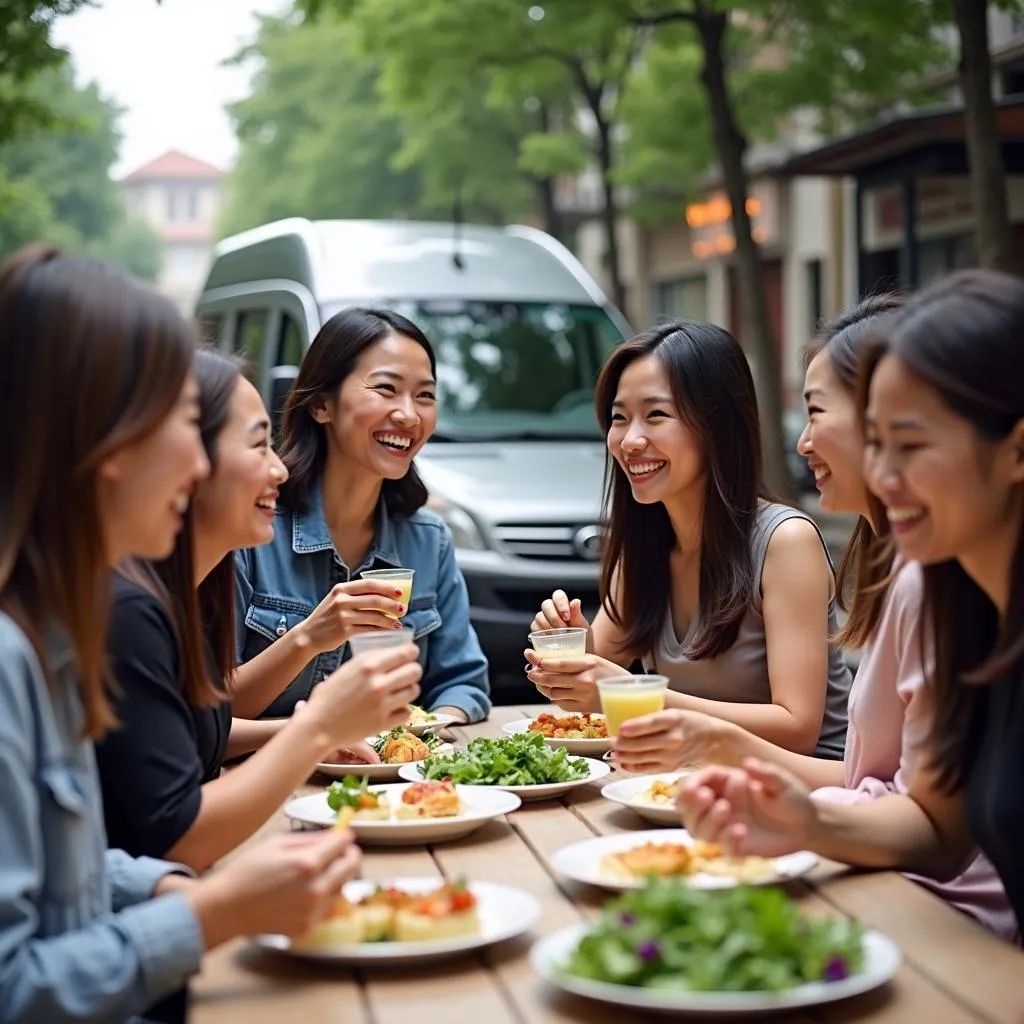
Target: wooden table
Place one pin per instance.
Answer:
(953, 971)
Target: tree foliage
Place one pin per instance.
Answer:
(318, 139)
(26, 51)
(55, 180)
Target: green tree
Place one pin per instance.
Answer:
(317, 140)
(26, 50)
(55, 179)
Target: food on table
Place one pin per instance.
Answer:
(570, 727)
(399, 746)
(341, 926)
(434, 799)
(417, 716)
(354, 796)
(674, 859)
(444, 914)
(520, 760)
(389, 914)
(660, 793)
(668, 935)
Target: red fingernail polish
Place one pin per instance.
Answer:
(398, 592)
(397, 625)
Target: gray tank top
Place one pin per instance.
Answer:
(740, 674)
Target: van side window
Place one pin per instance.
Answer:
(290, 342)
(250, 336)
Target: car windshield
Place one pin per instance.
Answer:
(514, 370)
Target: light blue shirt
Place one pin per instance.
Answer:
(81, 939)
(279, 585)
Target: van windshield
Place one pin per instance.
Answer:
(514, 370)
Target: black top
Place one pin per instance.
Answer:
(994, 791)
(153, 765)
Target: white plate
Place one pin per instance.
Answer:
(881, 962)
(504, 913)
(379, 772)
(598, 770)
(626, 792)
(441, 721)
(582, 861)
(594, 747)
(482, 803)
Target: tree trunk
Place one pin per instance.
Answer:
(610, 212)
(730, 146)
(550, 217)
(984, 150)
(545, 187)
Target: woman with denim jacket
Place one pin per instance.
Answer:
(99, 453)
(363, 405)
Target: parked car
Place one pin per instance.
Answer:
(520, 331)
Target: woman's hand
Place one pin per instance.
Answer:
(369, 694)
(354, 753)
(558, 612)
(757, 809)
(571, 683)
(354, 607)
(669, 740)
(282, 885)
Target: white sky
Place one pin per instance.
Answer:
(161, 63)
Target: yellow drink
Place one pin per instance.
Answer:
(626, 697)
(402, 580)
(406, 587)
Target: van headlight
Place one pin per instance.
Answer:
(465, 533)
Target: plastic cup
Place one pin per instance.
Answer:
(568, 642)
(625, 697)
(378, 640)
(401, 578)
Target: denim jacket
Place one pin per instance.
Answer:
(280, 583)
(80, 937)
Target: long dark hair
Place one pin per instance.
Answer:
(331, 358)
(92, 361)
(962, 336)
(202, 617)
(866, 568)
(713, 391)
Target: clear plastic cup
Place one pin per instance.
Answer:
(568, 642)
(625, 697)
(402, 579)
(378, 639)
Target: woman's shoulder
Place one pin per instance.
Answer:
(138, 618)
(424, 526)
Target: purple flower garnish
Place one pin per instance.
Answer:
(648, 951)
(626, 920)
(836, 969)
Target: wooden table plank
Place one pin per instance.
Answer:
(958, 955)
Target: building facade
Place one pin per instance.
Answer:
(179, 197)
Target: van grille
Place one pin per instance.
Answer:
(578, 542)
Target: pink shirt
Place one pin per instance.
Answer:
(888, 729)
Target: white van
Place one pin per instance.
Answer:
(520, 331)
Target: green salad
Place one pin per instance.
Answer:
(351, 791)
(520, 760)
(668, 936)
